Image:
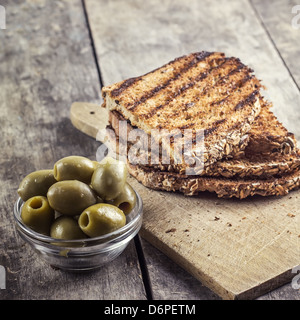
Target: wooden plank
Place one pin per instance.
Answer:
(283, 27)
(238, 248)
(46, 64)
(151, 33)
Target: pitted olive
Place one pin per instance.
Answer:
(100, 219)
(126, 200)
(37, 214)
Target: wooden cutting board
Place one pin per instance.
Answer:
(240, 249)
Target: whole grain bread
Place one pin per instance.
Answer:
(225, 188)
(201, 91)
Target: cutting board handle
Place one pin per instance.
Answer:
(88, 117)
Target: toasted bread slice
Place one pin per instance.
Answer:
(249, 163)
(255, 167)
(268, 135)
(203, 91)
(225, 188)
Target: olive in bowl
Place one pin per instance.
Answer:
(37, 214)
(74, 218)
(36, 183)
(74, 168)
(81, 254)
(70, 197)
(66, 228)
(126, 200)
(109, 178)
(101, 219)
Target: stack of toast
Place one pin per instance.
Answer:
(211, 127)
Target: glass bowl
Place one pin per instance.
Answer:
(81, 255)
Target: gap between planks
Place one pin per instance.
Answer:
(137, 240)
(260, 20)
(143, 267)
(92, 43)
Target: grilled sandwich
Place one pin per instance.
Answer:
(247, 151)
(202, 92)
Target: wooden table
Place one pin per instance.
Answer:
(53, 53)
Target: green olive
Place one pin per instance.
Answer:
(36, 183)
(109, 178)
(126, 200)
(100, 219)
(70, 197)
(66, 228)
(37, 214)
(74, 167)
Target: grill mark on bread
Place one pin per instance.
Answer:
(222, 80)
(155, 90)
(209, 131)
(206, 131)
(202, 76)
(240, 84)
(250, 99)
(213, 128)
(125, 85)
(214, 103)
(198, 56)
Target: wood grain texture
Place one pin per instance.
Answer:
(240, 249)
(46, 64)
(151, 33)
(277, 18)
